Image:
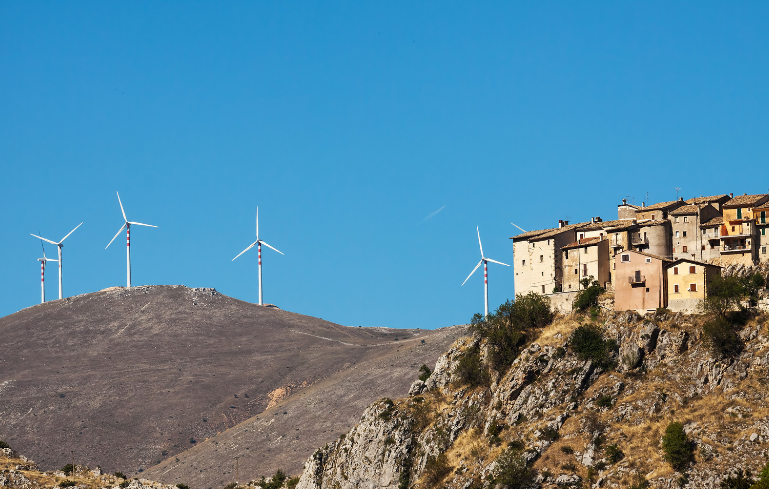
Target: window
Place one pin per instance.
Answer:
(647, 289)
(586, 250)
(523, 263)
(675, 288)
(739, 213)
(678, 234)
(648, 260)
(543, 289)
(584, 270)
(566, 254)
(541, 258)
(686, 219)
(692, 269)
(625, 258)
(692, 287)
(675, 270)
(732, 228)
(703, 247)
(576, 271)
(653, 217)
(763, 217)
(684, 234)
(548, 242)
(676, 220)
(763, 231)
(684, 249)
(581, 235)
(763, 250)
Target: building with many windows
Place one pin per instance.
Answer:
(687, 283)
(739, 238)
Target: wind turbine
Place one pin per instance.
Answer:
(258, 243)
(60, 244)
(485, 261)
(127, 226)
(43, 261)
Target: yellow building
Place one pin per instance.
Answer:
(687, 283)
(739, 232)
(761, 216)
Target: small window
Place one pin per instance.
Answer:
(548, 242)
(684, 234)
(678, 234)
(586, 250)
(763, 231)
(541, 258)
(685, 249)
(584, 270)
(763, 250)
(676, 220)
(686, 219)
(675, 270)
(581, 235)
(739, 213)
(653, 217)
(703, 247)
(566, 254)
(625, 258)
(647, 289)
(692, 269)
(648, 260)
(675, 288)
(523, 263)
(732, 228)
(543, 289)
(576, 271)
(692, 287)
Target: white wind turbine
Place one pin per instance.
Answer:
(485, 261)
(60, 245)
(43, 261)
(127, 226)
(258, 243)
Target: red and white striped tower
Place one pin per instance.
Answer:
(259, 251)
(486, 287)
(42, 281)
(128, 251)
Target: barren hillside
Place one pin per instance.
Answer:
(127, 378)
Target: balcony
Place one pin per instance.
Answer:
(637, 279)
(636, 240)
(735, 248)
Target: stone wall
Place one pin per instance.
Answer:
(561, 302)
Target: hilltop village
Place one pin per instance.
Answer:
(661, 255)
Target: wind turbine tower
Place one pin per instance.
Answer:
(43, 261)
(60, 245)
(258, 243)
(484, 261)
(127, 226)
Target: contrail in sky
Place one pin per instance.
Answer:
(433, 214)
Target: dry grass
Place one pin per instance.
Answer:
(558, 331)
(84, 478)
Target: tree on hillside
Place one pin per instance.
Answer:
(588, 296)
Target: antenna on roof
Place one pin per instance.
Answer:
(677, 190)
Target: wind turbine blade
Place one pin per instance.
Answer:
(121, 206)
(479, 240)
(50, 259)
(140, 224)
(270, 247)
(257, 223)
(251, 246)
(46, 240)
(67, 236)
(471, 273)
(519, 227)
(116, 234)
(498, 262)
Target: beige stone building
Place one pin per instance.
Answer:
(687, 283)
(689, 241)
(738, 234)
(626, 211)
(761, 216)
(711, 239)
(537, 258)
(653, 237)
(641, 282)
(585, 258)
(716, 201)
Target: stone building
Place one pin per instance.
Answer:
(761, 216)
(716, 201)
(626, 211)
(652, 237)
(689, 240)
(585, 258)
(537, 258)
(738, 233)
(687, 283)
(711, 238)
(640, 283)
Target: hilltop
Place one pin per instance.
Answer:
(129, 377)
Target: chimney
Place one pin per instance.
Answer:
(643, 204)
(680, 199)
(731, 195)
(560, 223)
(624, 201)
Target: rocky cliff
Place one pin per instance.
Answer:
(554, 419)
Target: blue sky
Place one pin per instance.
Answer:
(348, 123)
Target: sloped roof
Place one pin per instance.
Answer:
(747, 200)
(690, 260)
(686, 209)
(646, 254)
(583, 242)
(557, 231)
(529, 234)
(656, 222)
(707, 200)
(659, 206)
(716, 221)
(606, 224)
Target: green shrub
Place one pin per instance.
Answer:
(470, 370)
(387, 413)
(614, 454)
(424, 373)
(740, 480)
(639, 482)
(549, 433)
(120, 474)
(182, 486)
(67, 469)
(495, 429)
(588, 343)
(67, 483)
(436, 468)
(292, 482)
(276, 482)
(721, 337)
(124, 484)
(763, 479)
(4, 445)
(569, 466)
(567, 449)
(679, 451)
(512, 471)
(604, 401)
(588, 296)
(233, 485)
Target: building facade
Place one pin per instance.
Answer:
(641, 283)
(585, 258)
(687, 283)
(739, 238)
(689, 240)
(761, 217)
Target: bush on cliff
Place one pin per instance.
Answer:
(588, 297)
(588, 343)
(512, 471)
(679, 451)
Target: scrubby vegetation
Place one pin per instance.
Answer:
(587, 298)
(679, 450)
(424, 373)
(436, 468)
(588, 343)
(3, 445)
(512, 471)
